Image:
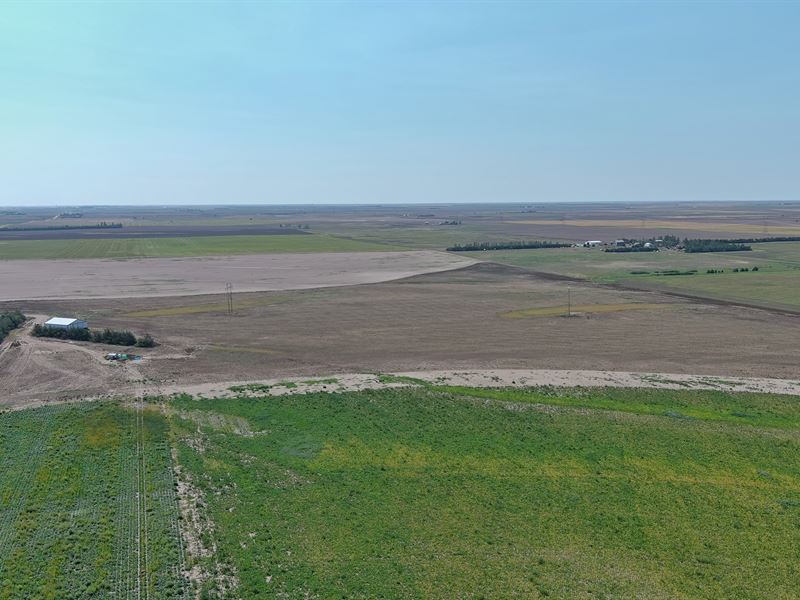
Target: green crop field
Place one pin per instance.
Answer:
(182, 246)
(421, 492)
(87, 505)
(774, 285)
(457, 493)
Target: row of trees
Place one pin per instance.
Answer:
(736, 270)
(106, 336)
(518, 245)
(8, 321)
(692, 246)
(789, 238)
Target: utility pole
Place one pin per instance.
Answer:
(229, 292)
(569, 302)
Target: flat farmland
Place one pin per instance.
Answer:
(211, 245)
(440, 492)
(731, 229)
(93, 278)
(424, 491)
(457, 319)
(774, 285)
(68, 231)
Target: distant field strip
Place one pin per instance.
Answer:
(552, 311)
(669, 224)
(773, 285)
(182, 246)
(197, 309)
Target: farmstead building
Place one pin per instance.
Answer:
(66, 323)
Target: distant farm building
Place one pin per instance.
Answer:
(66, 323)
(593, 243)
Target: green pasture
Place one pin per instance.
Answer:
(775, 284)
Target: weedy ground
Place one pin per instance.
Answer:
(418, 492)
(444, 492)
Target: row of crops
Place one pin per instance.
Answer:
(87, 504)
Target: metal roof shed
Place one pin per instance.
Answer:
(66, 323)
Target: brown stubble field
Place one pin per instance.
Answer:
(460, 319)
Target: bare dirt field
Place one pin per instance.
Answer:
(486, 378)
(446, 321)
(150, 277)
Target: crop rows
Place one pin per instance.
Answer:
(87, 505)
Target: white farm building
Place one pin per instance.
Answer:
(66, 323)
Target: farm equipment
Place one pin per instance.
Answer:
(121, 357)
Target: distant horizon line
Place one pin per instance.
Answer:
(387, 204)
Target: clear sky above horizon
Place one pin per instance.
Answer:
(320, 102)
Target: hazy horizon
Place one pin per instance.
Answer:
(390, 204)
(398, 103)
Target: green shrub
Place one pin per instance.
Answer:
(10, 320)
(146, 341)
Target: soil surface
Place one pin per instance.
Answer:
(149, 277)
(447, 321)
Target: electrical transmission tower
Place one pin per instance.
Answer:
(569, 302)
(229, 292)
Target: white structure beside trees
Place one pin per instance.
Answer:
(66, 323)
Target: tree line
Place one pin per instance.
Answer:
(8, 321)
(518, 245)
(763, 240)
(692, 246)
(106, 336)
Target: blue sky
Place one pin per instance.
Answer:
(323, 102)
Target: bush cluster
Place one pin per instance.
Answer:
(8, 321)
(632, 249)
(106, 336)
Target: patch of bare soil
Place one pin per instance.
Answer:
(197, 530)
(573, 378)
(36, 370)
(485, 378)
(152, 277)
(447, 321)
